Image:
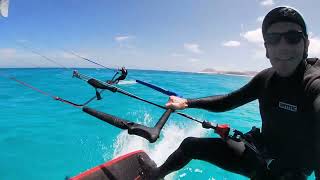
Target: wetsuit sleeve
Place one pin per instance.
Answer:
(316, 91)
(312, 85)
(316, 106)
(220, 103)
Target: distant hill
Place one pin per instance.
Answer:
(239, 73)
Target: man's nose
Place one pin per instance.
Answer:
(283, 41)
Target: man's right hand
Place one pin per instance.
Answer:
(176, 103)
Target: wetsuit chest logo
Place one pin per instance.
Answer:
(288, 107)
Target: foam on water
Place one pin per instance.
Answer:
(171, 137)
(127, 82)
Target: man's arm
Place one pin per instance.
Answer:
(221, 103)
(316, 105)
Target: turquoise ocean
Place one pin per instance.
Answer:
(41, 138)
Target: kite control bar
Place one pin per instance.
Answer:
(149, 133)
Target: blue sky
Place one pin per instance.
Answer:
(181, 35)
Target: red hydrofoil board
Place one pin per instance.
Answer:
(125, 167)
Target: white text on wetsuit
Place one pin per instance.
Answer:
(288, 107)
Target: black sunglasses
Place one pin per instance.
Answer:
(291, 37)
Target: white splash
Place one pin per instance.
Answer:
(170, 138)
(183, 175)
(127, 82)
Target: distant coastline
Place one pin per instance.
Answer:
(205, 71)
(234, 73)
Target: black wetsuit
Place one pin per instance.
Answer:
(289, 114)
(123, 75)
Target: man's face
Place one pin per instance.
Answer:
(285, 55)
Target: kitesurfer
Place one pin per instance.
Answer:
(289, 102)
(123, 74)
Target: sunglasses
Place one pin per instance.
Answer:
(291, 37)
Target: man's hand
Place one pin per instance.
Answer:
(176, 103)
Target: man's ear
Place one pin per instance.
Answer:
(306, 47)
(267, 53)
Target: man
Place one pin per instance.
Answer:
(289, 102)
(124, 73)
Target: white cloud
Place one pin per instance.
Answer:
(254, 36)
(231, 44)
(314, 47)
(311, 34)
(194, 60)
(267, 3)
(177, 55)
(22, 41)
(65, 55)
(8, 52)
(15, 58)
(121, 38)
(192, 47)
(260, 18)
(259, 54)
